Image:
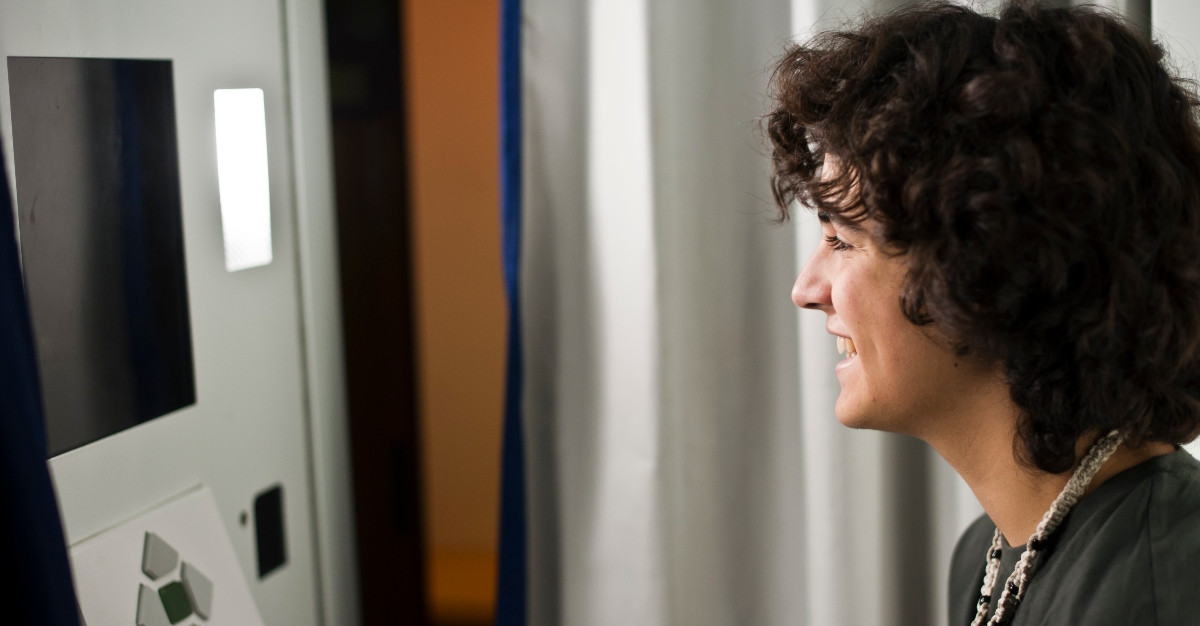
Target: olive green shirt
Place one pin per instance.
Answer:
(1127, 555)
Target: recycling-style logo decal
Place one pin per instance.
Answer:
(177, 591)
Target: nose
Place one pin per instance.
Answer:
(812, 288)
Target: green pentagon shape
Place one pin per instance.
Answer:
(175, 601)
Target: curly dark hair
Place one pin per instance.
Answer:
(1040, 170)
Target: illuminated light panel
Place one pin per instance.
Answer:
(242, 169)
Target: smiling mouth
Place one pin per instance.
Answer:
(845, 346)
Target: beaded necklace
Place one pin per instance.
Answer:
(1018, 582)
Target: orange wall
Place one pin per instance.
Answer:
(451, 61)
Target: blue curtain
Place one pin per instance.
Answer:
(32, 548)
(511, 578)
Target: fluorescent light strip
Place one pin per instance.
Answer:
(242, 169)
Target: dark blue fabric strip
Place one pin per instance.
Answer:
(512, 575)
(32, 547)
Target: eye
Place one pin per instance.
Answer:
(836, 243)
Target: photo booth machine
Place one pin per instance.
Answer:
(170, 167)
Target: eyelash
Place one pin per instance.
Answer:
(837, 244)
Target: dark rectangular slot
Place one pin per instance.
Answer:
(269, 531)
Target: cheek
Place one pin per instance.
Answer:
(873, 310)
(908, 350)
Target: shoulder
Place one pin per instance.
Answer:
(1175, 484)
(1131, 555)
(1165, 508)
(1173, 537)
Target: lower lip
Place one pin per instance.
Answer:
(846, 362)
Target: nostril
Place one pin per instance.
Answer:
(809, 295)
(812, 289)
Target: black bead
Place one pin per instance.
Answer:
(984, 600)
(1037, 544)
(996, 553)
(1012, 588)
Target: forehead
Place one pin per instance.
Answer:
(838, 186)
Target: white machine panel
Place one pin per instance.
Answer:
(170, 564)
(247, 429)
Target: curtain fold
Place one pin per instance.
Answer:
(559, 394)
(728, 410)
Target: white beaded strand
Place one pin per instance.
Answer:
(1014, 587)
(989, 580)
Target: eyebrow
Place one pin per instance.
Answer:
(841, 222)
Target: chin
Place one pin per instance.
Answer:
(863, 420)
(853, 419)
(857, 423)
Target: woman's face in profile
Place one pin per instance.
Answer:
(894, 375)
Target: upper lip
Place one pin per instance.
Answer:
(835, 333)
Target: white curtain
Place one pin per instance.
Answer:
(684, 464)
(660, 403)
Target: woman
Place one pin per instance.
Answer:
(1011, 264)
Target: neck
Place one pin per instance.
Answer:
(1014, 495)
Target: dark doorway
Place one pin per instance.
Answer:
(373, 208)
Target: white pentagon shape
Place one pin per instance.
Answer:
(158, 558)
(199, 589)
(150, 611)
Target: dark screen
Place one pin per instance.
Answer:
(98, 206)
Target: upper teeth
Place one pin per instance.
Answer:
(845, 345)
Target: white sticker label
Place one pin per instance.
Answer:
(242, 167)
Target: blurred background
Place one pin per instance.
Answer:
(655, 426)
(683, 464)
(414, 87)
